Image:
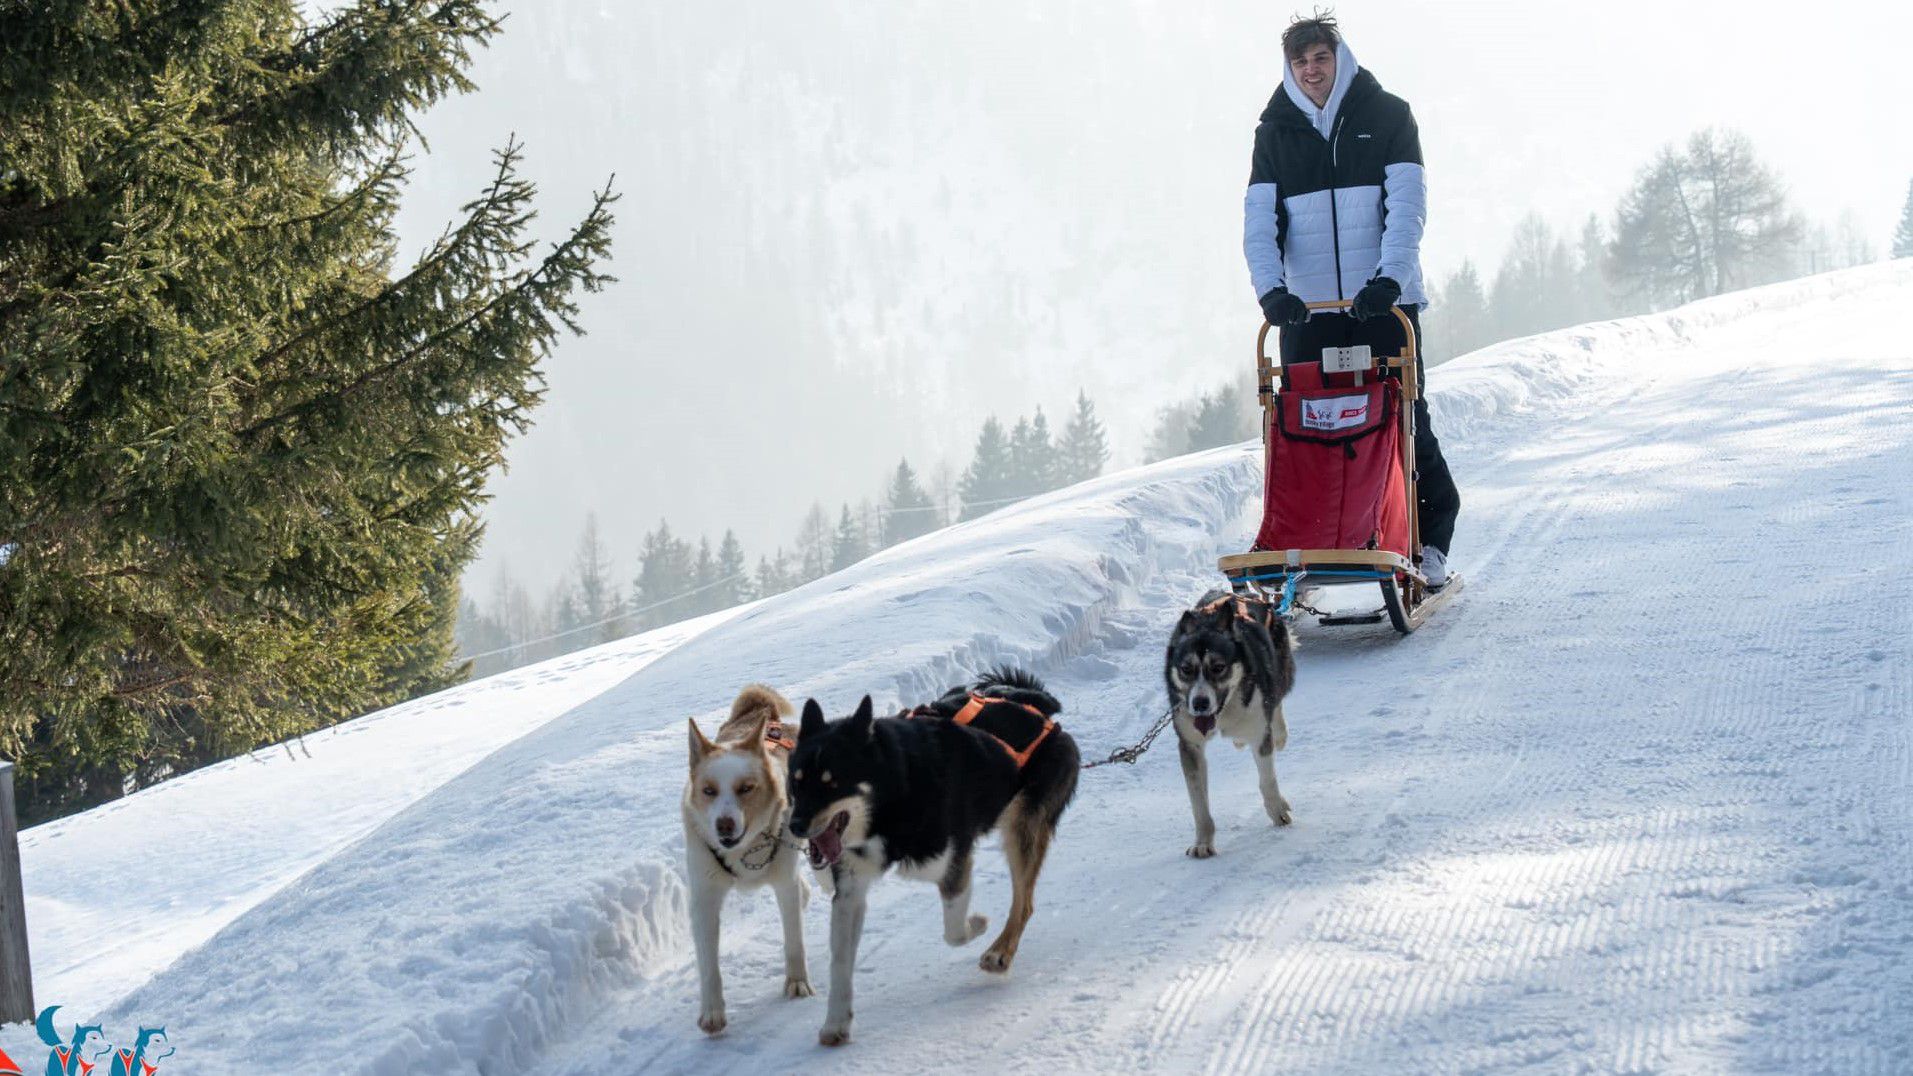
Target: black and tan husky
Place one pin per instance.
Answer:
(1230, 663)
(916, 792)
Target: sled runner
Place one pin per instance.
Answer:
(1338, 502)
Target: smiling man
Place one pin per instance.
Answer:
(1334, 211)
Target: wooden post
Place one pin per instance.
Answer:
(16, 974)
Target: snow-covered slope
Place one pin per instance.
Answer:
(217, 841)
(1641, 800)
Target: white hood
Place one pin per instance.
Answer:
(1323, 118)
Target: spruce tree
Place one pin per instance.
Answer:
(1170, 437)
(1032, 456)
(908, 510)
(1020, 483)
(480, 633)
(1535, 288)
(814, 546)
(511, 614)
(848, 547)
(1903, 235)
(1594, 295)
(594, 599)
(1220, 419)
(665, 570)
(244, 444)
(1466, 322)
(775, 575)
(702, 596)
(733, 574)
(1083, 451)
(989, 478)
(564, 604)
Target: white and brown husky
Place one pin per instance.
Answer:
(736, 835)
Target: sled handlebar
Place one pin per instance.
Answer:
(1409, 352)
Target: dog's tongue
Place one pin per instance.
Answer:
(1204, 722)
(828, 844)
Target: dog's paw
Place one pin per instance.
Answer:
(996, 961)
(1279, 813)
(798, 988)
(831, 1035)
(1201, 850)
(711, 1022)
(976, 925)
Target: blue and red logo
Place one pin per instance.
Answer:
(88, 1049)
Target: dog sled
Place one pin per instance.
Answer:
(1338, 504)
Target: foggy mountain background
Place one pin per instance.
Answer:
(849, 231)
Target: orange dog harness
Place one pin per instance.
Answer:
(975, 706)
(1267, 619)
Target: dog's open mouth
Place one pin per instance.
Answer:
(1205, 723)
(827, 844)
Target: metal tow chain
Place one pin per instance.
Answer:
(1134, 751)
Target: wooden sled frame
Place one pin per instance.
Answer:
(1274, 574)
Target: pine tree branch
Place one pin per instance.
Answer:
(586, 239)
(450, 243)
(389, 171)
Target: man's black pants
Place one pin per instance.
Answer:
(1439, 500)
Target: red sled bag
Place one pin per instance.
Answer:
(1334, 468)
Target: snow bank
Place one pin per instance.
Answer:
(1573, 373)
(217, 841)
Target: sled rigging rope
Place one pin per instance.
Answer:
(1134, 751)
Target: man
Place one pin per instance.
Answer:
(1334, 211)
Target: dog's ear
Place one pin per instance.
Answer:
(813, 722)
(700, 747)
(863, 717)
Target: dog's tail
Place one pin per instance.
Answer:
(1018, 685)
(757, 700)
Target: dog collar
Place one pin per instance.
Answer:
(773, 838)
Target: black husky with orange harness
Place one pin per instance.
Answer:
(916, 792)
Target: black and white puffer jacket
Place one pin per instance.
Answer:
(1336, 194)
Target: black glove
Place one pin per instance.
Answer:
(1281, 308)
(1375, 298)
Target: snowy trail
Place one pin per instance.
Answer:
(1640, 801)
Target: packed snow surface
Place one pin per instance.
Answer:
(1640, 800)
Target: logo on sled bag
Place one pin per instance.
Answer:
(1335, 413)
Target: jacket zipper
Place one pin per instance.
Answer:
(1334, 214)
